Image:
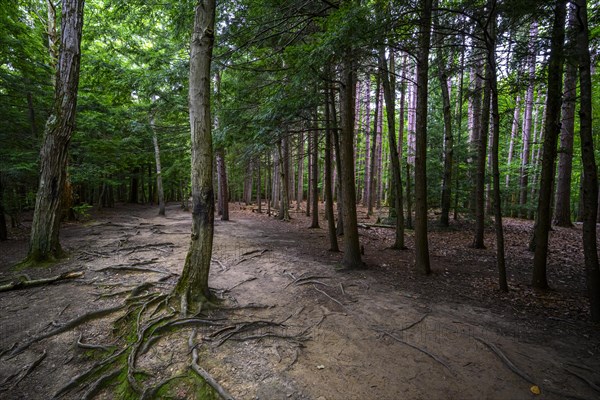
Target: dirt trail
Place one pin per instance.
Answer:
(338, 334)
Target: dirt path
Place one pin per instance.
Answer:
(317, 333)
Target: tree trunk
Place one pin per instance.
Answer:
(284, 205)
(448, 138)
(309, 172)
(590, 172)
(223, 186)
(352, 257)
(314, 178)
(527, 124)
(45, 228)
(552, 131)
(421, 240)
(300, 190)
(3, 230)
(338, 162)
(333, 244)
(459, 118)
(562, 207)
(497, 203)
(258, 188)
(373, 157)
(513, 135)
(367, 176)
(192, 287)
(159, 182)
(390, 104)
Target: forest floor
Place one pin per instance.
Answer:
(298, 327)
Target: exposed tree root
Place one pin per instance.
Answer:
(19, 376)
(28, 283)
(583, 378)
(208, 378)
(412, 346)
(131, 268)
(90, 346)
(99, 383)
(251, 254)
(335, 300)
(505, 359)
(414, 323)
(65, 327)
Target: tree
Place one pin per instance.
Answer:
(421, 241)
(551, 132)
(192, 286)
(590, 172)
(44, 243)
(328, 181)
(159, 181)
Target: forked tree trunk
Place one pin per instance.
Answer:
(552, 131)
(44, 243)
(422, 262)
(192, 286)
(159, 182)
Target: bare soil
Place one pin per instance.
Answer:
(315, 331)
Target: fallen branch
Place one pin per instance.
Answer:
(24, 284)
(427, 353)
(368, 226)
(65, 327)
(505, 359)
(208, 378)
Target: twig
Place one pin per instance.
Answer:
(505, 359)
(342, 288)
(23, 284)
(321, 291)
(208, 378)
(65, 327)
(427, 353)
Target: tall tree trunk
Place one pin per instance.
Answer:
(497, 203)
(448, 138)
(390, 104)
(459, 118)
(284, 205)
(159, 182)
(192, 286)
(44, 243)
(3, 230)
(421, 240)
(352, 257)
(513, 135)
(590, 172)
(373, 157)
(333, 244)
(552, 131)
(367, 176)
(338, 162)
(379, 153)
(309, 172)
(562, 207)
(527, 124)
(314, 178)
(300, 190)
(258, 187)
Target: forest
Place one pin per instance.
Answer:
(304, 199)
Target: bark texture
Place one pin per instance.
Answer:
(192, 287)
(44, 243)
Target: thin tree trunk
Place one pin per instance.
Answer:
(309, 172)
(552, 131)
(258, 187)
(367, 176)
(338, 162)
(333, 244)
(459, 118)
(192, 286)
(223, 187)
(314, 179)
(513, 135)
(390, 104)
(421, 241)
(300, 190)
(373, 157)
(284, 206)
(3, 230)
(159, 182)
(493, 81)
(44, 243)
(527, 124)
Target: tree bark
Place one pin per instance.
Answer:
(333, 244)
(300, 189)
(421, 241)
(223, 186)
(44, 243)
(513, 135)
(552, 131)
(3, 230)
(314, 178)
(373, 157)
(284, 205)
(192, 286)
(338, 163)
(367, 176)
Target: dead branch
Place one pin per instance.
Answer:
(208, 378)
(368, 226)
(24, 284)
(427, 353)
(321, 291)
(65, 327)
(505, 359)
